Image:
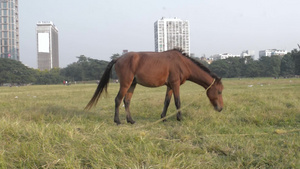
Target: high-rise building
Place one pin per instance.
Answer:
(9, 29)
(170, 33)
(47, 45)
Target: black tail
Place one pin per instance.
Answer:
(102, 85)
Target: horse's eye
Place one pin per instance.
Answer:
(219, 92)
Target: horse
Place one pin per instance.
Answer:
(153, 69)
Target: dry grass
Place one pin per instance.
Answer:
(46, 127)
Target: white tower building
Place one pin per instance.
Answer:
(47, 45)
(170, 33)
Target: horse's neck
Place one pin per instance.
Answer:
(199, 76)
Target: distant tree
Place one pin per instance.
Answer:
(270, 66)
(235, 66)
(251, 68)
(72, 72)
(230, 67)
(220, 67)
(84, 69)
(49, 76)
(82, 59)
(96, 68)
(115, 56)
(287, 66)
(12, 71)
(296, 56)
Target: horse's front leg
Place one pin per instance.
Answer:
(177, 101)
(167, 102)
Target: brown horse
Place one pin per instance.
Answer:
(153, 69)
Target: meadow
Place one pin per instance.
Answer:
(46, 127)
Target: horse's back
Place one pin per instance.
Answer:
(148, 68)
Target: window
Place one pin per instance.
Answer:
(5, 49)
(4, 27)
(5, 42)
(4, 12)
(4, 34)
(4, 20)
(4, 4)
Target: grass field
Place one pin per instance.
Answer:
(46, 127)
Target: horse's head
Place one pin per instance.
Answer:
(214, 93)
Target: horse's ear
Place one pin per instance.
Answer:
(218, 80)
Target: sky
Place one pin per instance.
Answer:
(100, 28)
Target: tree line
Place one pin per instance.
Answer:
(274, 66)
(85, 69)
(88, 69)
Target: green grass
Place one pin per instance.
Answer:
(46, 127)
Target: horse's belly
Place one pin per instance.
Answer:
(151, 81)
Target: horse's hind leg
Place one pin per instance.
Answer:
(127, 102)
(167, 102)
(118, 101)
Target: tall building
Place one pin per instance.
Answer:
(47, 45)
(170, 33)
(9, 29)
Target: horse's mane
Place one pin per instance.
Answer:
(200, 65)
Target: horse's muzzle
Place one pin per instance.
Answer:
(219, 109)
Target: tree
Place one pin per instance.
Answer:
(296, 56)
(270, 66)
(252, 68)
(287, 66)
(72, 72)
(230, 67)
(52, 76)
(115, 56)
(235, 65)
(12, 71)
(220, 67)
(84, 69)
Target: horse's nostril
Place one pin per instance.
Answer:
(218, 108)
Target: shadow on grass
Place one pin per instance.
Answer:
(49, 113)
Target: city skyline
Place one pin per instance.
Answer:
(99, 29)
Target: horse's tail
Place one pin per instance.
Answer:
(102, 85)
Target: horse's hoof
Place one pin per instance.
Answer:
(179, 118)
(163, 116)
(117, 122)
(131, 121)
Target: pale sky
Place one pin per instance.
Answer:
(100, 28)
